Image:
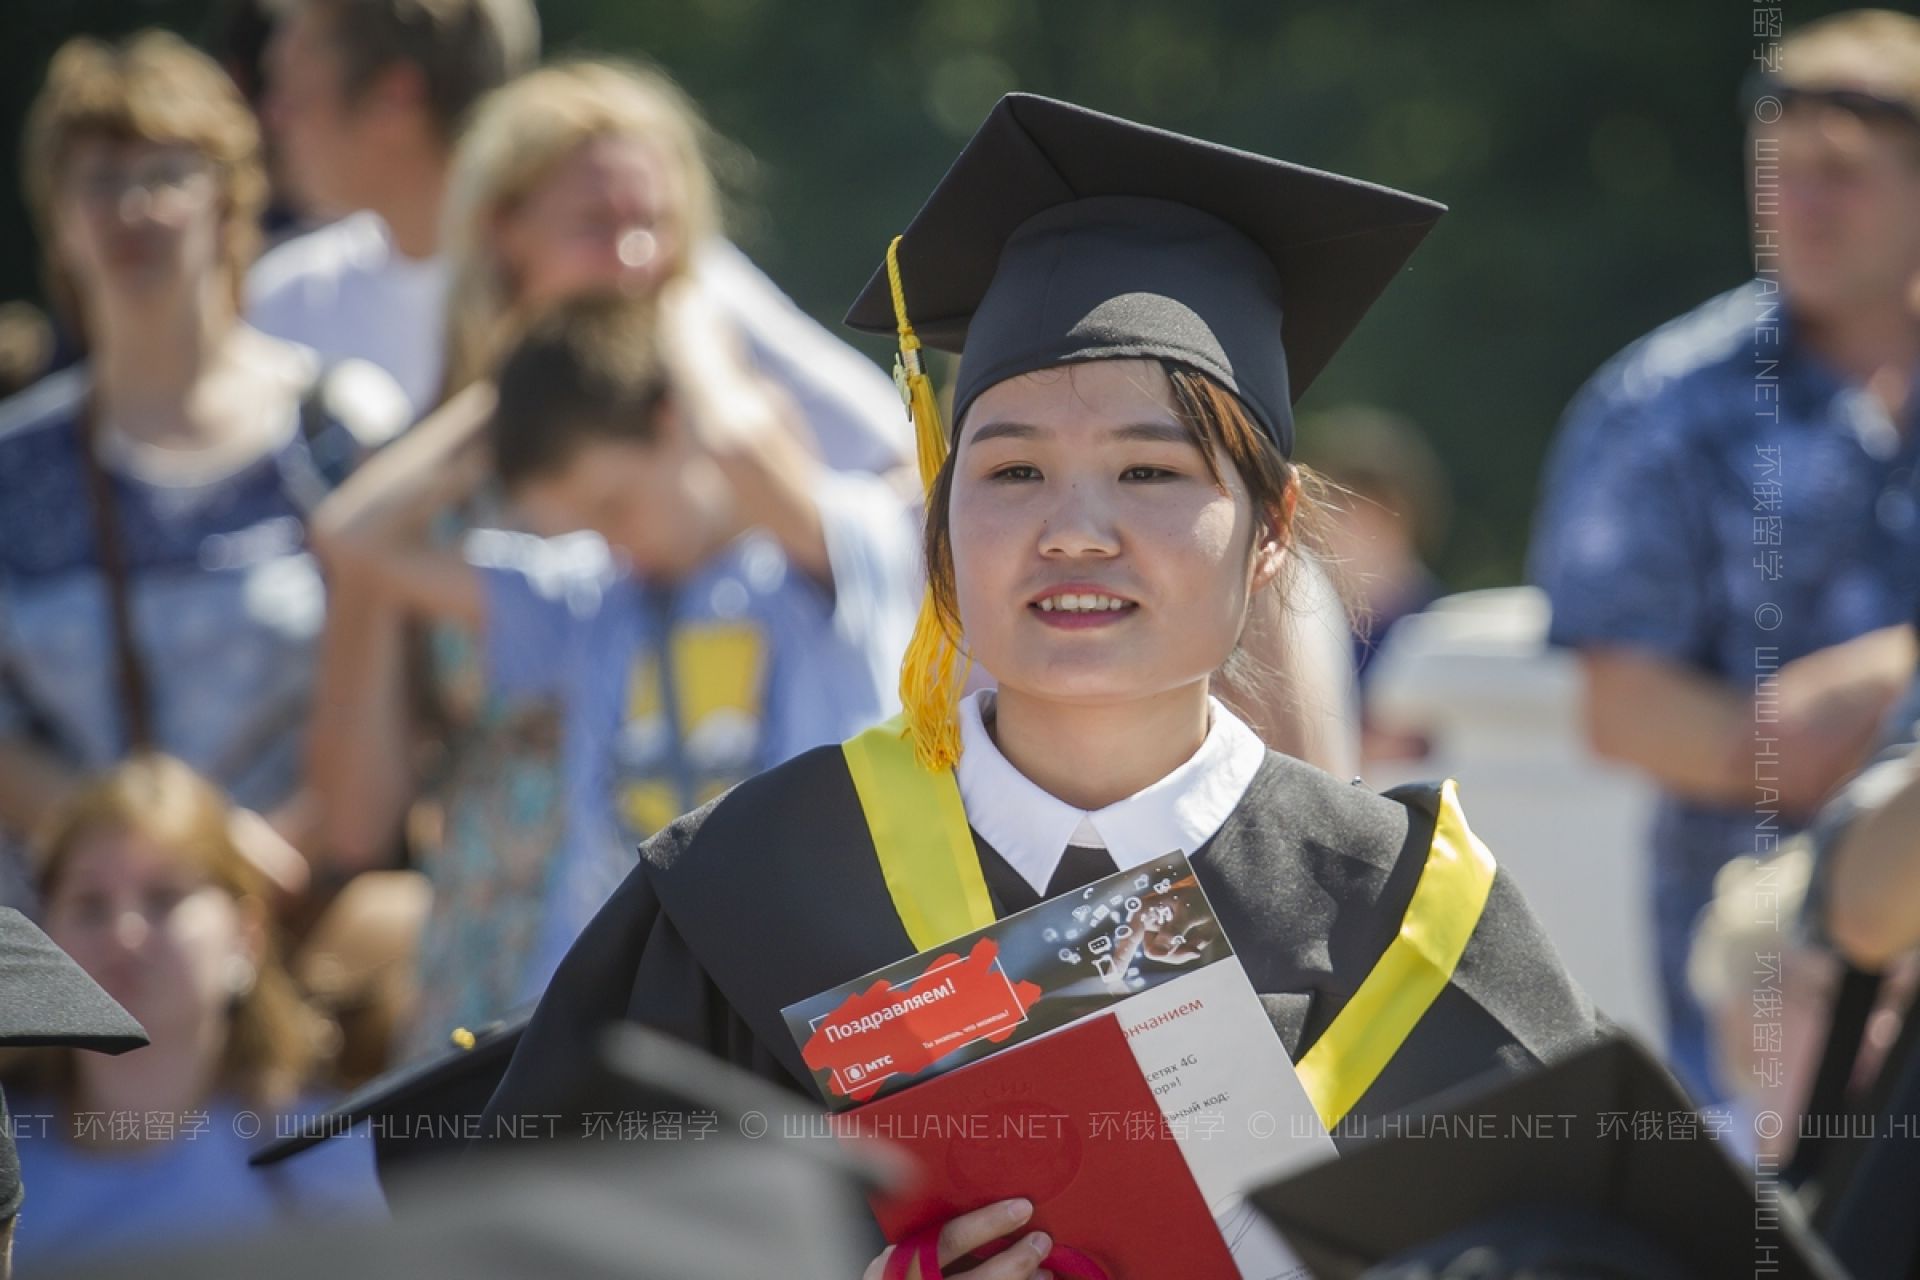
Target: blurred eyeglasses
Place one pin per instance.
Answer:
(159, 176)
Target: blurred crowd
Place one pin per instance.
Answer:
(412, 500)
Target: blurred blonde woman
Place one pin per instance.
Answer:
(583, 177)
(589, 176)
(580, 176)
(146, 889)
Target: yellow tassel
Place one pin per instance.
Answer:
(932, 673)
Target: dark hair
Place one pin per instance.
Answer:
(588, 370)
(464, 49)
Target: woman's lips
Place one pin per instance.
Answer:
(1079, 606)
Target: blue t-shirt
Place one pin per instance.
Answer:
(1719, 498)
(673, 693)
(194, 1183)
(226, 601)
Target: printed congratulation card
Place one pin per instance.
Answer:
(1142, 945)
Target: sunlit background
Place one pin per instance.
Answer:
(1590, 152)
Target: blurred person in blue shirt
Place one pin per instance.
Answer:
(725, 603)
(1730, 523)
(155, 586)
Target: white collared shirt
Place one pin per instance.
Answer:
(1031, 829)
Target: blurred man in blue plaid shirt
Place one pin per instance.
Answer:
(1730, 522)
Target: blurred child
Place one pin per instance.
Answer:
(740, 604)
(577, 179)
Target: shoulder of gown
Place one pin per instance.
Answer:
(1323, 872)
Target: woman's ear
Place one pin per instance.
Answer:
(1270, 542)
(1269, 556)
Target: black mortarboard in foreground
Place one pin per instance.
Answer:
(1596, 1168)
(420, 1109)
(1061, 235)
(434, 1108)
(48, 1001)
(767, 1197)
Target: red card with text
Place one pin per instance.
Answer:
(1068, 1122)
(888, 1032)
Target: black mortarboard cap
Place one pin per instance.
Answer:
(1062, 235)
(1596, 1167)
(768, 1194)
(435, 1107)
(48, 1001)
(421, 1109)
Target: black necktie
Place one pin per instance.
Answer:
(1078, 868)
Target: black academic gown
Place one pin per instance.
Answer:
(773, 893)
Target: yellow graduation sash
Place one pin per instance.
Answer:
(920, 832)
(933, 875)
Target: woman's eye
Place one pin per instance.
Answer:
(1018, 471)
(1148, 473)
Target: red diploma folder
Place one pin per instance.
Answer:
(1068, 1122)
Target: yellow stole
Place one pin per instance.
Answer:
(933, 875)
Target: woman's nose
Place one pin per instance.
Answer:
(1081, 523)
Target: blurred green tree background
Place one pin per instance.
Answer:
(1591, 153)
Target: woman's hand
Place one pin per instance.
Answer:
(969, 1231)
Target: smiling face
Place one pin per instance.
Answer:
(1096, 559)
(158, 934)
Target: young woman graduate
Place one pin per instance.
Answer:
(1137, 312)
